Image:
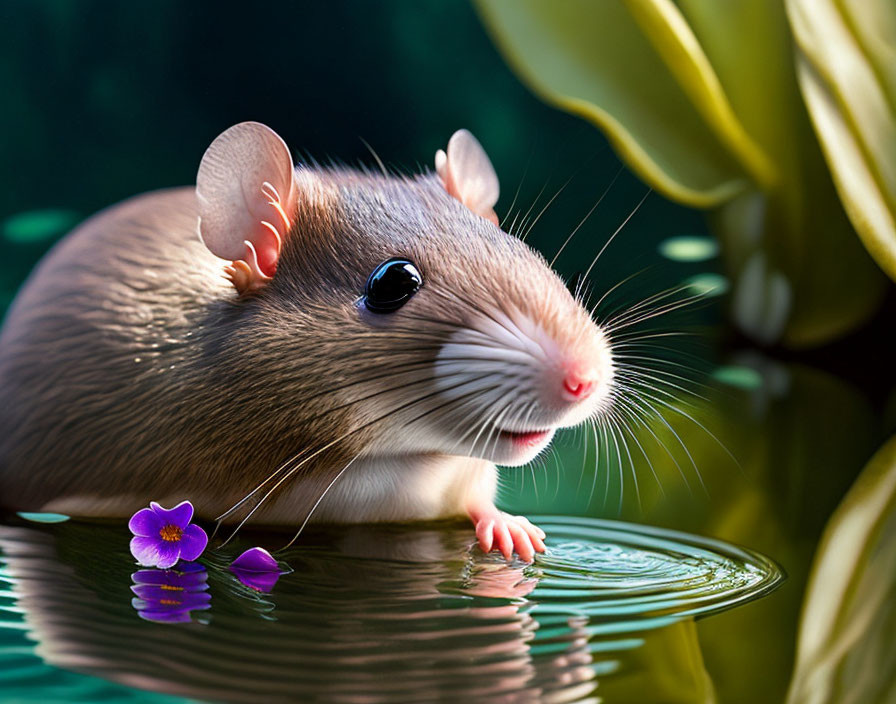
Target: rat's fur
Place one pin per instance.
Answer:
(130, 369)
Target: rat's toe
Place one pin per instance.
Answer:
(485, 533)
(521, 541)
(503, 540)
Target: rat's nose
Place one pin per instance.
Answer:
(577, 386)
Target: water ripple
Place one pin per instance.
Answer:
(374, 614)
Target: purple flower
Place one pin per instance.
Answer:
(168, 596)
(257, 569)
(164, 536)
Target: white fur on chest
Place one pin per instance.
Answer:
(401, 488)
(371, 490)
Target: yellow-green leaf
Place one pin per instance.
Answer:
(845, 648)
(694, 153)
(847, 71)
(701, 99)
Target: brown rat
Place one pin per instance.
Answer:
(335, 343)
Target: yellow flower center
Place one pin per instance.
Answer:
(169, 602)
(171, 588)
(170, 533)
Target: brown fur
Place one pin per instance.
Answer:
(131, 370)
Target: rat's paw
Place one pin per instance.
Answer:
(508, 534)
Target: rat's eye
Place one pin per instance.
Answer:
(391, 285)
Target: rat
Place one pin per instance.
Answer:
(297, 343)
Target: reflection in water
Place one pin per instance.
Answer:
(387, 614)
(171, 595)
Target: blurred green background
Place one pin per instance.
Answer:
(103, 100)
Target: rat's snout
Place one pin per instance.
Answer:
(526, 373)
(574, 375)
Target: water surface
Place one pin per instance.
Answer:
(372, 614)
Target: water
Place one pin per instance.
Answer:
(373, 614)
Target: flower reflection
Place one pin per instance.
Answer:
(169, 596)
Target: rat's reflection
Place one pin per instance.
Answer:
(362, 618)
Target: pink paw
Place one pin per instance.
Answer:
(509, 534)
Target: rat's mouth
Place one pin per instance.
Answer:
(513, 448)
(528, 438)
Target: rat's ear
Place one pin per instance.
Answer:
(246, 192)
(468, 175)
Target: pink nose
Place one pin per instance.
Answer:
(577, 387)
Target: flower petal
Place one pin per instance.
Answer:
(154, 552)
(144, 550)
(178, 516)
(145, 523)
(255, 560)
(192, 542)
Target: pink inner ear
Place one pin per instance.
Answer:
(267, 245)
(246, 193)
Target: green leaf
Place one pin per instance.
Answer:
(701, 99)
(845, 649)
(846, 64)
(634, 70)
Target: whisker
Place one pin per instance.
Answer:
(516, 195)
(659, 416)
(638, 375)
(626, 411)
(547, 205)
(319, 499)
(488, 414)
(637, 414)
(585, 219)
(531, 207)
(611, 417)
(630, 309)
(375, 156)
(332, 443)
(661, 310)
(612, 431)
(613, 288)
(618, 229)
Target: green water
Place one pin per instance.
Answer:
(374, 614)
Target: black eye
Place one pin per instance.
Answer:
(391, 285)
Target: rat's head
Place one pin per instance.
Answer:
(401, 300)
